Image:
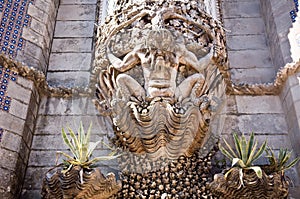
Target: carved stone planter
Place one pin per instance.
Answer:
(93, 184)
(269, 186)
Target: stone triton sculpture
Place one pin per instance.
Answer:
(157, 64)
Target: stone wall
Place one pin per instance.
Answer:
(17, 123)
(248, 50)
(276, 15)
(71, 54)
(38, 34)
(290, 97)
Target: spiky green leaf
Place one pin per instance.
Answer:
(67, 142)
(251, 155)
(244, 149)
(250, 144)
(226, 153)
(238, 146)
(260, 151)
(233, 154)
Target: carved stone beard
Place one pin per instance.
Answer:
(160, 75)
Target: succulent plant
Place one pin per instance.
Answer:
(280, 164)
(245, 154)
(82, 149)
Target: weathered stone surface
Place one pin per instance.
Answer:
(46, 6)
(51, 125)
(238, 26)
(8, 184)
(70, 61)
(18, 92)
(288, 103)
(61, 106)
(15, 124)
(9, 159)
(11, 142)
(34, 177)
(247, 42)
(24, 152)
(18, 109)
(252, 75)
(250, 59)
(33, 56)
(44, 158)
(241, 9)
(27, 136)
(39, 27)
(38, 14)
(74, 29)
(271, 124)
(72, 45)
(33, 37)
(25, 82)
(68, 79)
(259, 104)
(62, 2)
(55, 142)
(76, 12)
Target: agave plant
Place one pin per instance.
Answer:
(280, 164)
(82, 149)
(244, 155)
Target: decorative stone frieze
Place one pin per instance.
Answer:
(158, 62)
